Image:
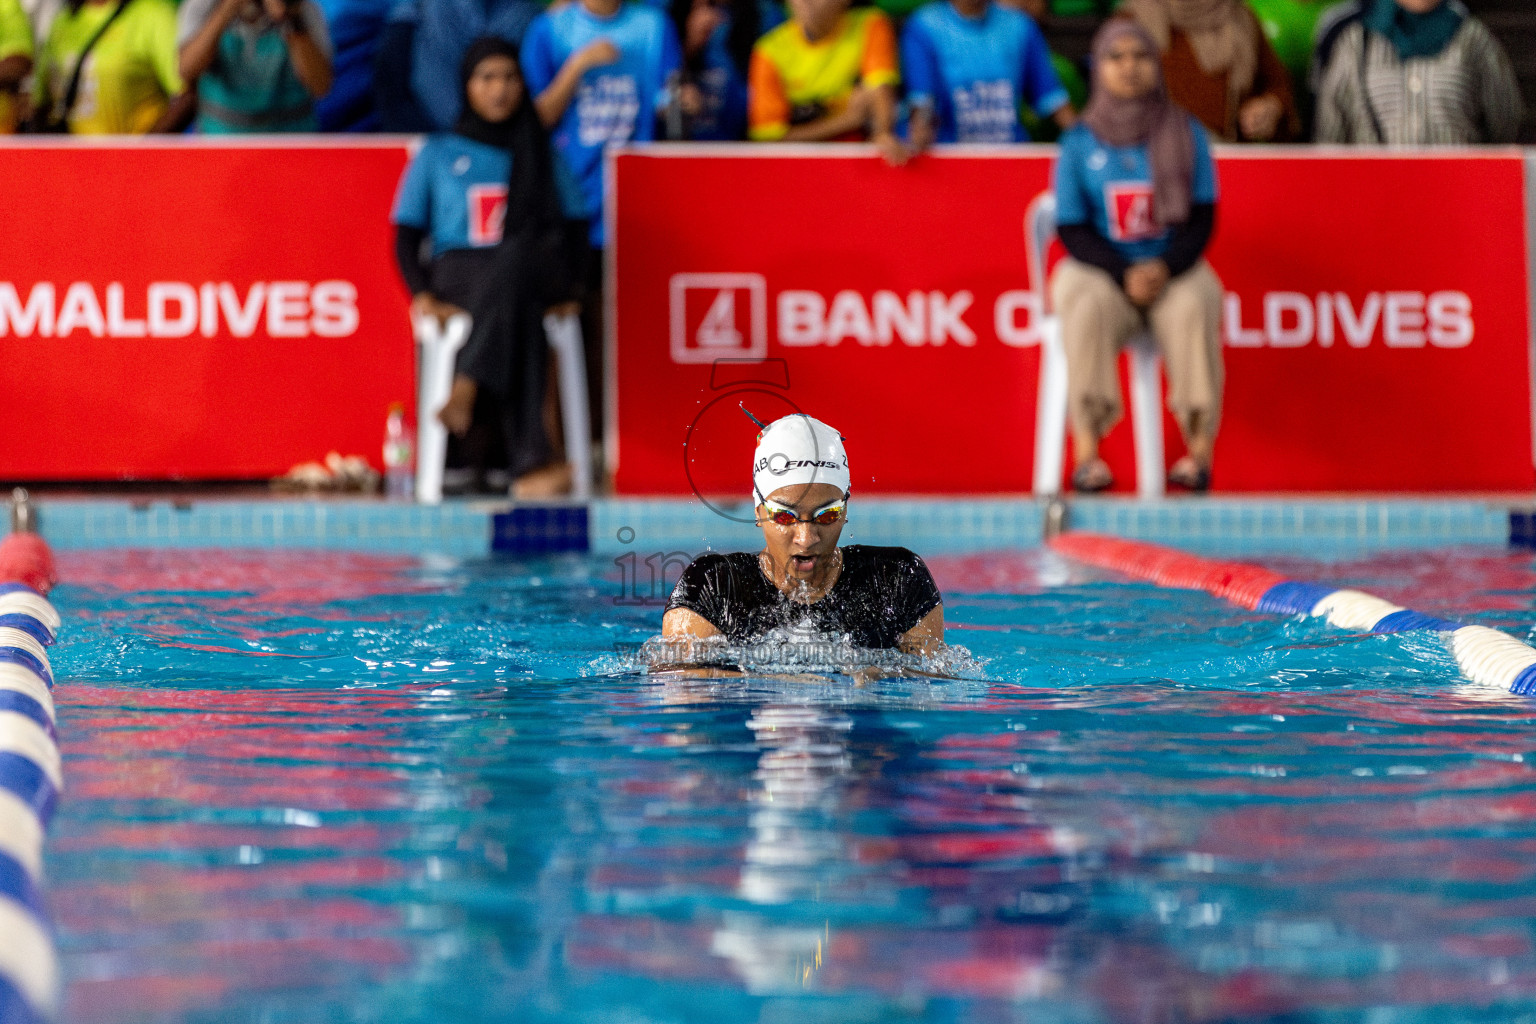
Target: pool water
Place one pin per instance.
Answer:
(321, 787)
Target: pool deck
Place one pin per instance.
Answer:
(951, 525)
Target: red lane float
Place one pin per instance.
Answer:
(25, 558)
(1238, 582)
(1487, 656)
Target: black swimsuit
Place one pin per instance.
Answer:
(880, 594)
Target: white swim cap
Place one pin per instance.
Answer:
(797, 449)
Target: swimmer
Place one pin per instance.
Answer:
(878, 597)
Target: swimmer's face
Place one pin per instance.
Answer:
(804, 549)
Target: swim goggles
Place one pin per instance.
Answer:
(827, 515)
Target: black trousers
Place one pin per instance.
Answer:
(507, 354)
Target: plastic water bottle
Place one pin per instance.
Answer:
(399, 455)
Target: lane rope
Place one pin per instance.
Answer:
(1486, 656)
(31, 777)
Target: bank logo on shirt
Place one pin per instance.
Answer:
(487, 213)
(718, 316)
(607, 110)
(1131, 217)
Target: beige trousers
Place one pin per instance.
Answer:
(1097, 320)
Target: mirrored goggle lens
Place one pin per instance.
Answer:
(781, 516)
(829, 515)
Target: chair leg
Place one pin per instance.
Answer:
(436, 351)
(564, 332)
(1051, 409)
(1147, 420)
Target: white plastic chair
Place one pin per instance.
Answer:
(564, 332)
(438, 348)
(1051, 410)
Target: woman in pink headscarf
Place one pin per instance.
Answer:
(1135, 208)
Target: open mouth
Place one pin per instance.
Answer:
(803, 563)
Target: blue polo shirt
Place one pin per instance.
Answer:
(1110, 187)
(613, 104)
(975, 72)
(456, 191)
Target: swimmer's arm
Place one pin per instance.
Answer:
(927, 637)
(681, 625)
(685, 623)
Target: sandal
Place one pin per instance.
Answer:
(1092, 477)
(1190, 475)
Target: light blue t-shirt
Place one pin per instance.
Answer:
(456, 191)
(613, 104)
(976, 71)
(1110, 187)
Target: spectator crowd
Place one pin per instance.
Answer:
(899, 71)
(521, 99)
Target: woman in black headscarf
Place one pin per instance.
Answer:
(503, 368)
(449, 208)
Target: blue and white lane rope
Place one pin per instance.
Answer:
(30, 781)
(1487, 656)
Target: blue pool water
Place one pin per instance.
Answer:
(321, 787)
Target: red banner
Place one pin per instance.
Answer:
(1376, 318)
(197, 309)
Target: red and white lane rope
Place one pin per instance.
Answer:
(1487, 656)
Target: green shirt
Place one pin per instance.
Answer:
(15, 41)
(15, 30)
(130, 74)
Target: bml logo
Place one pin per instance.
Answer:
(718, 316)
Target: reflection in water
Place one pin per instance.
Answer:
(795, 839)
(1159, 810)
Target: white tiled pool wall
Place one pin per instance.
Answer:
(931, 523)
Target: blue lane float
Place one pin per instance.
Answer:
(31, 778)
(1486, 656)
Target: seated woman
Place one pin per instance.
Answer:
(1135, 207)
(454, 193)
(487, 194)
(1221, 68)
(878, 597)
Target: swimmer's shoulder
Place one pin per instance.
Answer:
(875, 554)
(709, 577)
(893, 566)
(723, 561)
